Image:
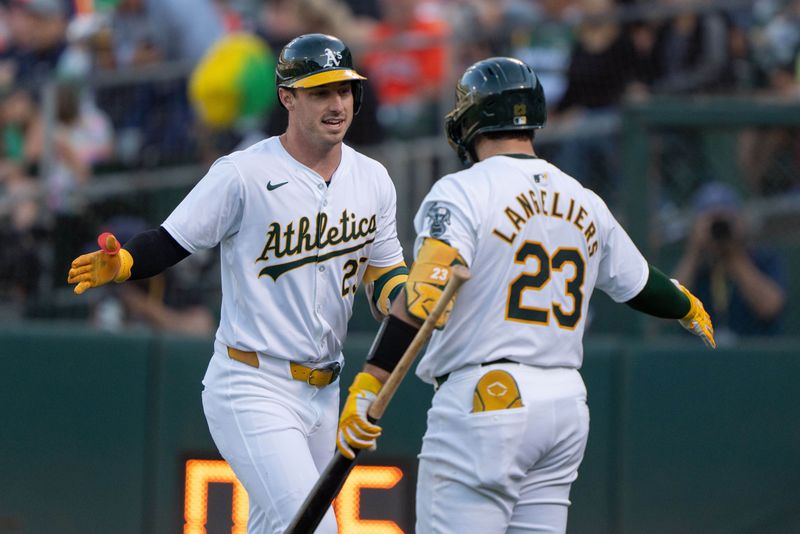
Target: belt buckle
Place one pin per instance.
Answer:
(334, 368)
(438, 381)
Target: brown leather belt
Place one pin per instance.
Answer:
(317, 377)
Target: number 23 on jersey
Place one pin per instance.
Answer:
(536, 281)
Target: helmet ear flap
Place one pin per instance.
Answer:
(452, 127)
(358, 94)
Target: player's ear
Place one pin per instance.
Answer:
(286, 97)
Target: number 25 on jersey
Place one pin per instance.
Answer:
(536, 281)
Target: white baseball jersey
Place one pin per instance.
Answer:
(293, 249)
(537, 243)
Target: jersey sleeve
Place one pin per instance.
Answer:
(623, 270)
(449, 214)
(211, 211)
(386, 250)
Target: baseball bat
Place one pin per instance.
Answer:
(332, 478)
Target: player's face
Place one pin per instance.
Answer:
(324, 113)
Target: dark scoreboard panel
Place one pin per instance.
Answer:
(379, 498)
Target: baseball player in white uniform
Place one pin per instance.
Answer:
(302, 221)
(509, 421)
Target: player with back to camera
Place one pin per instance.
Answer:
(508, 423)
(302, 219)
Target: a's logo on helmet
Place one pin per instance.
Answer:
(440, 218)
(334, 58)
(520, 112)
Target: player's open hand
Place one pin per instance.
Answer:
(97, 268)
(697, 321)
(355, 430)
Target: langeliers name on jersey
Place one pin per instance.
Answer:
(530, 204)
(291, 240)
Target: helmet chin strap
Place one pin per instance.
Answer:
(470, 155)
(358, 96)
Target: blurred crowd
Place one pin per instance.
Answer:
(89, 87)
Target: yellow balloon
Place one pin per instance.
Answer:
(220, 86)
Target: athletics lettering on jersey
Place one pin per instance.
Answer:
(288, 241)
(530, 204)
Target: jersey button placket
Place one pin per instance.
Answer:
(321, 283)
(321, 270)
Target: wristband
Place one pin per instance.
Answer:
(125, 264)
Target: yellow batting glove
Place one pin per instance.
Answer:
(355, 430)
(697, 321)
(109, 264)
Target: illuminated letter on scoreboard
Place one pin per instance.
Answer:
(348, 503)
(201, 473)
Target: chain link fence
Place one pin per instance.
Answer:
(650, 159)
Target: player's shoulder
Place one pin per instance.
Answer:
(251, 156)
(486, 178)
(265, 147)
(566, 182)
(552, 175)
(366, 174)
(472, 180)
(453, 188)
(595, 200)
(363, 164)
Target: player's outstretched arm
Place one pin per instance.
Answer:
(668, 299)
(153, 250)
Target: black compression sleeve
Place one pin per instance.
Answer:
(660, 298)
(391, 342)
(153, 251)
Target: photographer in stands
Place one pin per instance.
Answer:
(742, 287)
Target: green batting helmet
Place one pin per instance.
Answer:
(316, 59)
(494, 95)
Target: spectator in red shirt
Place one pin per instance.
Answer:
(406, 61)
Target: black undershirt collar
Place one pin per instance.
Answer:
(519, 156)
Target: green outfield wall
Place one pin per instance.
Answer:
(96, 429)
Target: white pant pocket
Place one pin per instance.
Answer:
(497, 437)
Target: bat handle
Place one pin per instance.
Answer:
(325, 490)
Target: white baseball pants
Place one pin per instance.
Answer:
(506, 470)
(276, 433)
